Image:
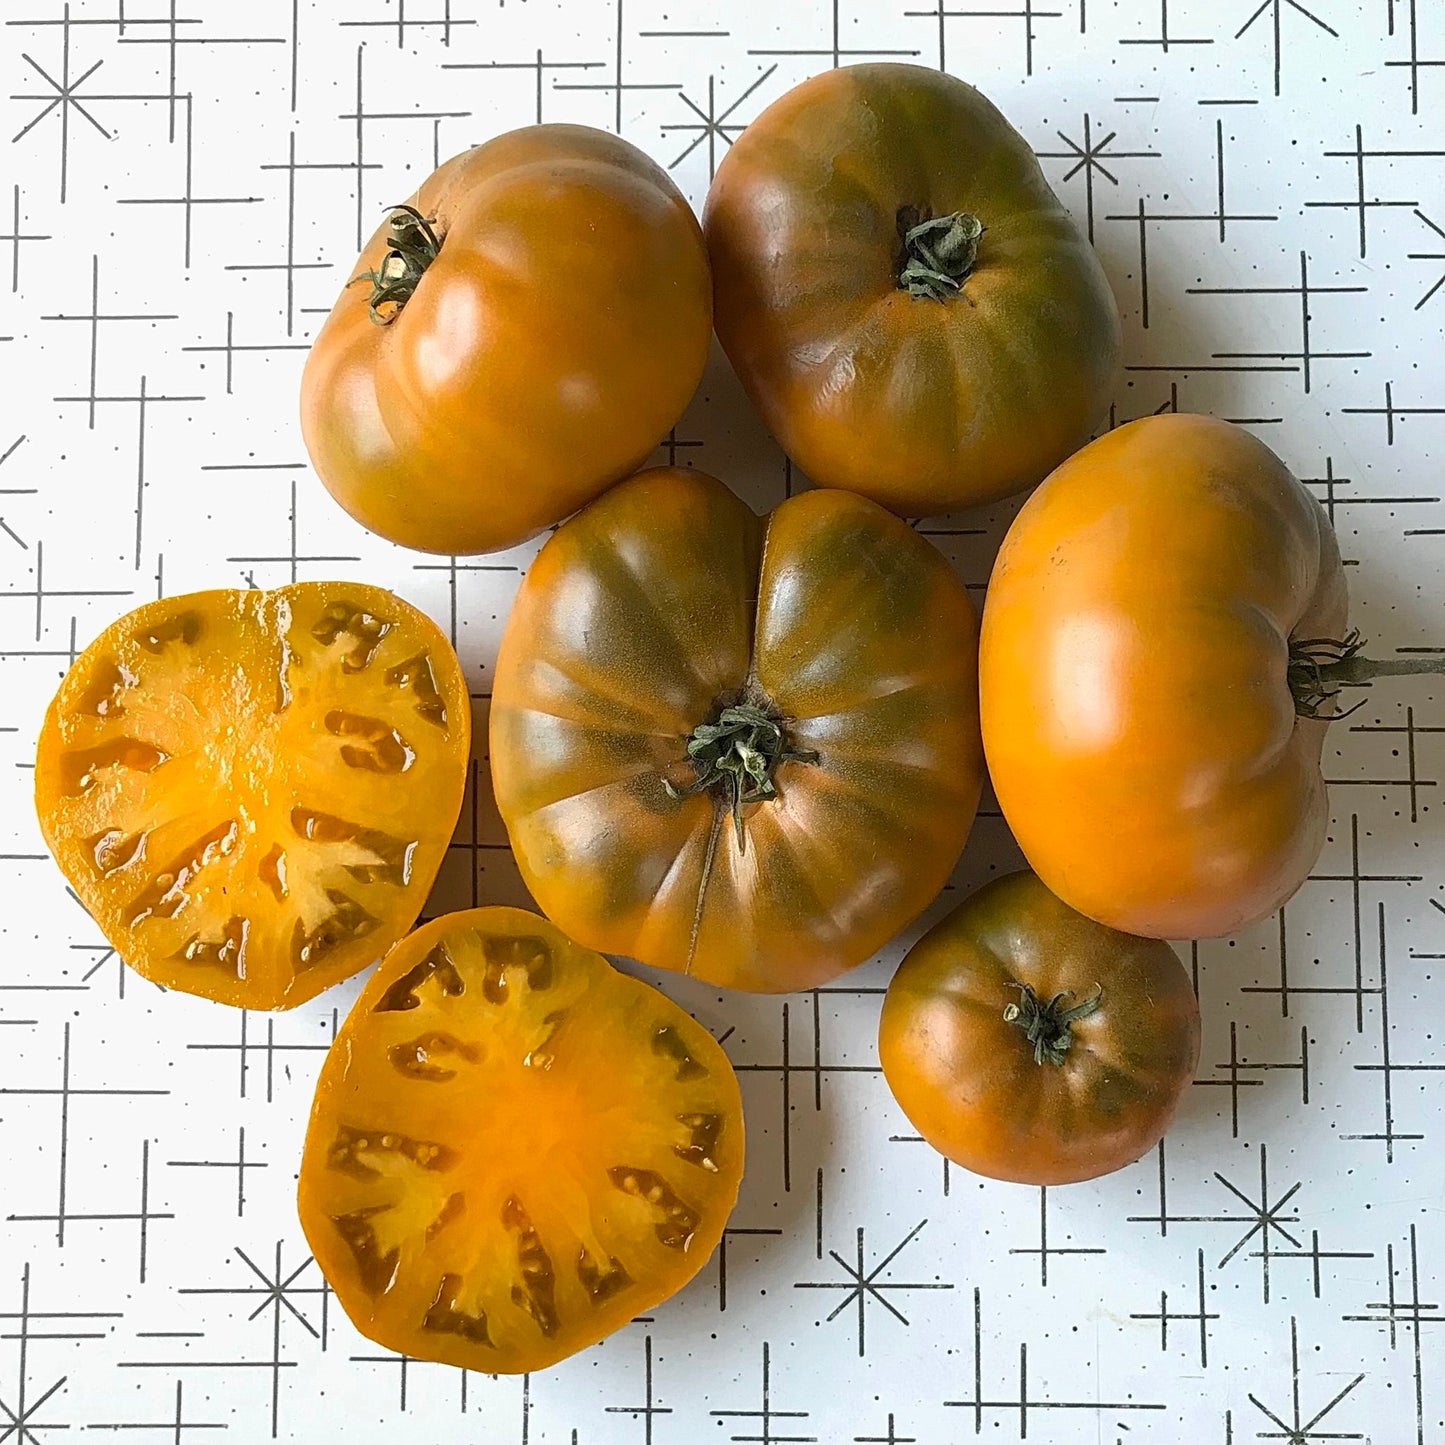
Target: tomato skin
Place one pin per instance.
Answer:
(923, 405)
(967, 1077)
(514, 1148)
(638, 619)
(556, 337)
(251, 791)
(1140, 731)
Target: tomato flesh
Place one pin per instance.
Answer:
(252, 791)
(514, 1148)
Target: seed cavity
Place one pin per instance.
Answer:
(374, 746)
(405, 993)
(678, 1220)
(78, 768)
(446, 1316)
(351, 1143)
(601, 1284)
(501, 954)
(184, 627)
(101, 696)
(227, 952)
(347, 922)
(450, 1212)
(168, 891)
(377, 1271)
(667, 1042)
(115, 849)
(272, 872)
(536, 1294)
(701, 1147)
(392, 855)
(539, 1056)
(416, 676)
(417, 1058)
(364, 630)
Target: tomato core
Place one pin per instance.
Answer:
(938, 252)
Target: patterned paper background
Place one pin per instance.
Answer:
(182, 191)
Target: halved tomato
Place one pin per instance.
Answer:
(252, 791)
(514, 1148)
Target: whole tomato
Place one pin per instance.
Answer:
(1027, 1042)
(914, 313)
(743, 748)
(1154, 660)
(517, 337)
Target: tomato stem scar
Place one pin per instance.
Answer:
(737, 755)
(414, 246)
(1048, 1026)
(938, 252)
(1320, 666)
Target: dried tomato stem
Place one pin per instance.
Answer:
(1049, 1025)
(938, 252)
(1319, 667)
(736, 755)
(414, 246)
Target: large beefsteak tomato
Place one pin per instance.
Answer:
(544, 314)
(744, 748)
(1164, 628)
(914, 313)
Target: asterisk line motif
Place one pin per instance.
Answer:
(1429, 256)
(1302, 1432)
(64, 95)
(22, 1422)
(1089, 156)
(1266, 1217)
(1275, 7)
(277, 1291)
(863, 1284)
(1293, 5)
(711, 126)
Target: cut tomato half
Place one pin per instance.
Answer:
(252, 791)
(514, 1148)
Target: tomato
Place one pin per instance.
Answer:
(252, 791)
(1150, 610)
(1027, 1042)
(742, 748)
(545, 312)
(907, 303)
(514, 1148)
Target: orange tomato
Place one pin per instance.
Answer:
(743, 748)
(545, 314)
(1146, 631)
(1027, 1042)
(251, 792)
(914, 313)
(514, 1148)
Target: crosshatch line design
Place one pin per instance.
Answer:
(184, 189)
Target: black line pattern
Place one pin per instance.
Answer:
(185, 188)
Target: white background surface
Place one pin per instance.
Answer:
(1275, 1273)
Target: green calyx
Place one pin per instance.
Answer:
(1049, 1025)
(736, 756)
(413, 247)
(1319, 667)
(938, 252)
